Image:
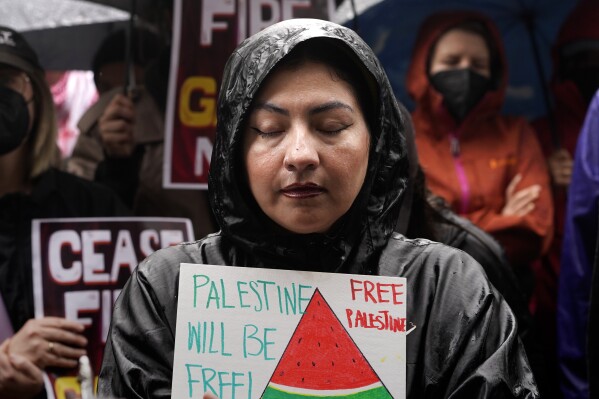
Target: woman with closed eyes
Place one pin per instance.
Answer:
(307, 173)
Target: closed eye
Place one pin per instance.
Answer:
(451, 61)
(334, 131)
(266, 134)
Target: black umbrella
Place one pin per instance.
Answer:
(149, 11)
(64, 33)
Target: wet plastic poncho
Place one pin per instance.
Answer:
(465, 343)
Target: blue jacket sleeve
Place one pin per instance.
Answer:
(577, 259)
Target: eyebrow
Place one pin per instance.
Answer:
(316, 110)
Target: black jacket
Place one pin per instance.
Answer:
(425, 215)
(465, 343)
(55, 194)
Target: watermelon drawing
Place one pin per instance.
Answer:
(322, 361)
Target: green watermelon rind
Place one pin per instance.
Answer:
(376, 393)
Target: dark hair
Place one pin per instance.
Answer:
(423, 217)
(146, 47)
(345, 65)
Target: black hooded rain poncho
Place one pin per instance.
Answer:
(465, 343)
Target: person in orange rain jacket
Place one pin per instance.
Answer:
(488, 167)
(575, 80)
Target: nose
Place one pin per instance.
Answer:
(302, 150)
(465, 63)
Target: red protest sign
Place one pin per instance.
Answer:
(205, 33)
(79, 268)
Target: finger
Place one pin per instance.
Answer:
(120, 101)
(116, 114)
(210, 395)
(521, 205)
(526, 210)
(67, 352)
(53, 356)
(4, 345)
(512, 186)
(116, 126)
(52, 334)
(525, 195)
(120, 107)
(25, 367)
(55, 361)
(521, 200)
(123, 100)
(5, 365)
(62, 323)
(532, 191)
(522, 209)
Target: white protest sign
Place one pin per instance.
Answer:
(250, 333)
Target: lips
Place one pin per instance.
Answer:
(302, 190)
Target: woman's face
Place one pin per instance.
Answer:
(459, 49)
(306, 148)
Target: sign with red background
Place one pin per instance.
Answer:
(79, 268)
(205, 33)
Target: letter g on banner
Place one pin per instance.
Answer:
(202, 113)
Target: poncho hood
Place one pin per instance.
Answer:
(356, 239)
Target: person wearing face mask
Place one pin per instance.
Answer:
(488, 167)
(32, 188)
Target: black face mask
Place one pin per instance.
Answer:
(461, 89)
(14, 120)
(587, 81)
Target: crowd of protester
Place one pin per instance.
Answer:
(520, 197)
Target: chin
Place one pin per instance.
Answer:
(305, 228)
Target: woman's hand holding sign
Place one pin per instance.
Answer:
(50, 342)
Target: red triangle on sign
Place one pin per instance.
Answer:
(321, 355)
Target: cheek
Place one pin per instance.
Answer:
(351, 164)
(261, 166)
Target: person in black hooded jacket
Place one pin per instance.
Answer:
(302, 102)
(426, 215)
(31, 187)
